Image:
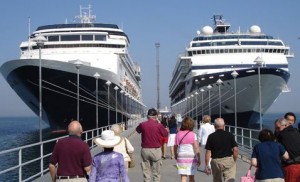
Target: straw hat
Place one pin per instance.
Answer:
(108, 139)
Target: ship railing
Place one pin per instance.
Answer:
(246, 138)
(44, 148)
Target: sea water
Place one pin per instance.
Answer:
(17, 132)
(20, 131)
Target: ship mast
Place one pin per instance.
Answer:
(86, 15)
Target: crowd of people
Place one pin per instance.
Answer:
(276, 158)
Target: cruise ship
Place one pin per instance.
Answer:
(230, 74)
(77, 71)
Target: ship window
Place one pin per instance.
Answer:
(240, 50)
(230, 50)
(87, 37)
(217, 51)
(202, 51)
(198, 52)
(207, 52)
(221, 50)
(100, 37)
(53, 38)
(194, 52)
(190, 53)
(226, 50)
(274, 43)
(212, 51)
(24, 48)
(70, 37)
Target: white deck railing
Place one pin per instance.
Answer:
(18, 152)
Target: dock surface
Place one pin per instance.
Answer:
(169, 171)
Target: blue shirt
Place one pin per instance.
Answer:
(268, 156)
(108, 167)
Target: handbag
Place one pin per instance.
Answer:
(248, 177)
(131, 163)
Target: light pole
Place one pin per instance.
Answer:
(192, 98)
(97, 76)
(234, 74)
(40, 42)
(196, 93)
(259, 63)
(157, 45)
(219, 82)
(78, 64)
(108, 99)
(209, 87)
(129, 105)
(202, 90)
(189, 103)
(122, 95)
(116, 89)
(126, 106)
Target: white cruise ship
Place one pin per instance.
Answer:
(234, 75)
(75, 58)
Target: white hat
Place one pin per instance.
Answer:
(108, 139)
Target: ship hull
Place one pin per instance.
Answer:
(248, 95)
(59, 93)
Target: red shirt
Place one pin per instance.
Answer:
(152, 131)
(72, 155)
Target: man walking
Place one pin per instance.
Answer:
(71, 156)
(151, 153)
(222, 148)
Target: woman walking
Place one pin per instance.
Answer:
(124, 147)
(172, 131)
(108, 166)
(266, 158)
(187, 152)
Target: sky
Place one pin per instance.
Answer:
(171, 23)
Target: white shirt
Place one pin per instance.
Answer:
(121, 148)
(205, 130)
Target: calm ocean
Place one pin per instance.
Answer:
(20, 131)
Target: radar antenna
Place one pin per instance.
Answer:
(86, 15)
(220, 25)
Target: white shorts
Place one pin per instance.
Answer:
(171, 140)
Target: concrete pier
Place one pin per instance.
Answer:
(169, 171)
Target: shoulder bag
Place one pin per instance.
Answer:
(248, 177)
(131, 163)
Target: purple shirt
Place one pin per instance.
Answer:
(108, 167)
(152, 131)
(72, 155)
